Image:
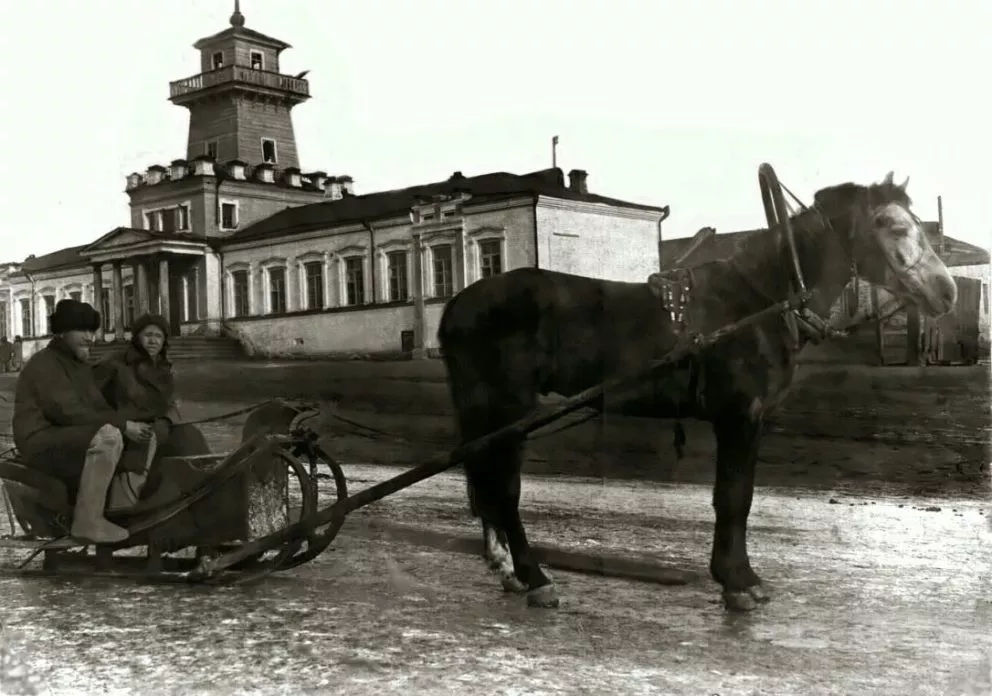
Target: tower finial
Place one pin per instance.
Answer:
(237, 19)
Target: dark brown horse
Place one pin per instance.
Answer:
(529, 332)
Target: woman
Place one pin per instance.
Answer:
(138, 383)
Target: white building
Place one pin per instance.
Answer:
(235, 240)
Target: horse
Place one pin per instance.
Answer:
(510, 338)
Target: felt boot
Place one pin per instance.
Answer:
(88, 523)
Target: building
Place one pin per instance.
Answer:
(903, 338)
(234, 240)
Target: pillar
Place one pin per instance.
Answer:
(117, 300)
(141, 289)
(419, 352)
(98, 295)
(163, 289)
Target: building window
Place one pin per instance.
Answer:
(239, 290)
(168, 219)
(49, 311)
(269, 153)
(399, 287)
(211, 149)
(191, 312)
(313, 271)
(277, 290)
(443, 277)
(128, 306)
(228, 216)
(354, 278)
(26, 329)
(105, 310)
(218, 60)
(257, 60)
(490, 257)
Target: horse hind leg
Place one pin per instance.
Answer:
(496, 483)
(496, 549)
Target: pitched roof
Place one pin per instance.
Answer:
(63, 258)
(722, 246)
(385, 204)
(241, 32)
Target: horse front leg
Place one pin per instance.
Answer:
(737, 437)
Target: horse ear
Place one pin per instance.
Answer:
(888, 178)
(904, 184)
(657, 284)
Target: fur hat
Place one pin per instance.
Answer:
(146, 320)
(73, 315)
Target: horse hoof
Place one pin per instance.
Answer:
(746, 600)
(511, 583)
(543, 597)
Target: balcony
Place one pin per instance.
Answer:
(241, 76)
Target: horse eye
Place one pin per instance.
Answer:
(900, 231)
(883, 220)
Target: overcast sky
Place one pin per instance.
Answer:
(660, 101)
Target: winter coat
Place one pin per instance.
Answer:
(139, 389)
(6, 352)
(58, 408)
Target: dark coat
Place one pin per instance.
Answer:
(139, 389)
(58, 408)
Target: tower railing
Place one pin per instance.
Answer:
(239, 74)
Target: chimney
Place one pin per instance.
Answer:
(155, 174)
(291, 175)
(178, 169)
(134, 180)
(332, 189)
(347, 185)
(265, 172)
(318, 179)
(236, 168)
(203, 165)
(577, 181)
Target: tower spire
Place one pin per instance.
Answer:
(237, 19)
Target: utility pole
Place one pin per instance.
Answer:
(940, 226)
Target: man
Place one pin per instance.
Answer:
(6, 355)
(65, 428)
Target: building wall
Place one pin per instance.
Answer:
(340, 329)
(597, 240)
(56, 284)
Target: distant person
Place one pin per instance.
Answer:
(6, 355)
(64, 427)
(18, 353)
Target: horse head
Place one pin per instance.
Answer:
(889, 243)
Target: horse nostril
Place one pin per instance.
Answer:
(948, 291)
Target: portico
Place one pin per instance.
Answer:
(167, 269)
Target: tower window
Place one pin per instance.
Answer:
(257, 60)
(228, 215)
(269, 150)
(211, 148)
(218, 60)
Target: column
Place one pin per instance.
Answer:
(419, 352)
(98, 295)
(117, 300)
(141, 286)
(330, 297)
(163, 289)
(294, 283)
